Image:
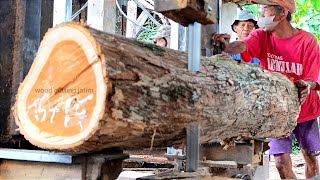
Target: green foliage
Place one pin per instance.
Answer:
(145, 34)
(295, 147)
(316, 4)
(307, 16)
(255, 8)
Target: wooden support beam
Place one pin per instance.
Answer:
(132, 15)
(187, 11)
(62, 11)
(178, 36)
(146, 4)
(102, 15)
(182, 38)
(174, 35)
(207, 31)
(151, 2)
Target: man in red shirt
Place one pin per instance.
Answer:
(296, 54)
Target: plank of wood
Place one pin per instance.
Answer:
(132, 14)
(187, 11)
(62, 11)
(102, 15)
(221, 164)
(202, 173)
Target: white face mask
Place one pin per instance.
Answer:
(267, 23)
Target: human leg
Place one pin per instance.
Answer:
(312, 165)
(307, 134)
(284, 166)
(281, 149)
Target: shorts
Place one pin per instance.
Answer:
(307, 134)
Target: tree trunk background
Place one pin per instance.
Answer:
(150, 97)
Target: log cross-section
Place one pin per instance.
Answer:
(88, 90)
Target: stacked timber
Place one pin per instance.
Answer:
(88, 90)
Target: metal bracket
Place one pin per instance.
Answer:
(35, 155)
(194, 46)
(193, 146)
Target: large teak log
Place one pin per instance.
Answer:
(88, 90)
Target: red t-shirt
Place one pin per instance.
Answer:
(297, 57)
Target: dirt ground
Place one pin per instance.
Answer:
(298, 167)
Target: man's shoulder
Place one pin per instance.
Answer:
(308, 38)
(306, 34)
(260, 33)
(256, 34)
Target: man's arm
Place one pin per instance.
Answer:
(235, 47)
(311, 64)
(312, 84)
(304, 88)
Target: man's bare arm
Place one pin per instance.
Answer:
(312, 84)
(235, 47)
(304, 88)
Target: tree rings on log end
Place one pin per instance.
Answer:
(62, 99)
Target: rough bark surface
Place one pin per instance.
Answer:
(149, 94)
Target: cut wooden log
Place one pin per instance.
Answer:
(88, 90)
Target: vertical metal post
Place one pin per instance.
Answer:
(62, 11)
(194, 46)
(193, 131)
(193, 134)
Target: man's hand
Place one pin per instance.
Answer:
(304, 89)
(221, 40)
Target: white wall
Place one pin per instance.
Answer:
(228, 13)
